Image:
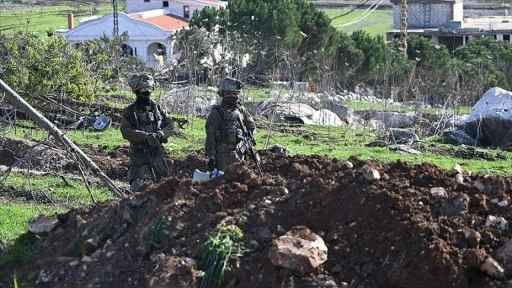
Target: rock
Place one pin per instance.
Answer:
(497, 222)
(299, 249)
(370, 173)
(438, 192)
(401, 148)
(504, 255)
(348, 165)
(459, 179)
(455, 170)
(396, 119)
(301, 113)
(43, 224)
(458, 204)
(490, 120)
(493, 268)
(458, 137)
(397, 135)
(44, 277)
(473, 238)
(278, 149)
(90, 245)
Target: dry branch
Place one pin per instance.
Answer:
(41, 121)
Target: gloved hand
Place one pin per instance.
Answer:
(211, 165)
(155, 139)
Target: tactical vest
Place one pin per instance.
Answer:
(230, 131)
(147, 118)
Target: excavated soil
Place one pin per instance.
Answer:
(391, 232)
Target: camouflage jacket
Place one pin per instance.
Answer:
(141, 121)
(223, 127)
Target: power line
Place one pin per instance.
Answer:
(357, 7)
(365, 14)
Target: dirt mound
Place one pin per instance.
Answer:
(393, 232)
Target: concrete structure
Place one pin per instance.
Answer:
(149, 24)
(444, 22)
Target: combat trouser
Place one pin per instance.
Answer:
(227, 155)
(139, 165)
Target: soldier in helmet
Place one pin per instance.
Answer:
(223, 130)
(146, 127)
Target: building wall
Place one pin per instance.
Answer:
(458, 11)
(175, 6)
(424, 15)
(139, 41)
(142, 36)
(133, 6)
(178, 9)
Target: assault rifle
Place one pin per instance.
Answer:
(145, 148)
(248, 143)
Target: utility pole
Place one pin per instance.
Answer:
(116, 20)
(403, 27)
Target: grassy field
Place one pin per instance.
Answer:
(374, 23)
(334, 142)
(39, 19)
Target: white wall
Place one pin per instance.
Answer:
(140, 34)
(175, 6)
(458, 11)
(417, 15)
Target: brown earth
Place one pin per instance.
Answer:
(386, 233)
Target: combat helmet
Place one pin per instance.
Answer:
(141, 82)
(229, 84)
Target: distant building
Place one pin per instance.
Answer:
(444, 22)
(149, 24)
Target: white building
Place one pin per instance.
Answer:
(149, 24)
(444, 22)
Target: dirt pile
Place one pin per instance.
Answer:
(393, 232)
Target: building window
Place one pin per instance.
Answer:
(165, 4)
(146, 0)
(186, 11)
(506, 38)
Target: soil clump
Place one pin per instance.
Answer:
(395, 231)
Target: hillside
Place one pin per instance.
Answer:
(396, 231)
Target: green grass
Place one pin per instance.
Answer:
(189, 139)
(333, 142)
(50, 189)
(39, 19)
(225, 241)
(15, 217)
(370, 106)
(47, 194)
(109, 139)
(376, 23)
(343, 142)
(20, 250)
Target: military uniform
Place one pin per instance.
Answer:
(141, 121)
(224, 132)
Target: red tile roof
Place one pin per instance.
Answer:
(167, 22)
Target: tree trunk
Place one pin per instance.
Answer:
(41, 121)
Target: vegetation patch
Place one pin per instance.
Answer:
(224, 242)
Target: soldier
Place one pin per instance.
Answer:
(146, 126)
(223, 126)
